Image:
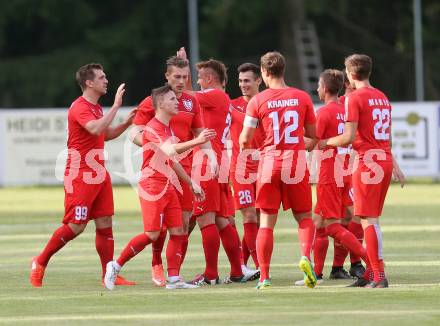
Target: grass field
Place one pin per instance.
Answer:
(72, 293)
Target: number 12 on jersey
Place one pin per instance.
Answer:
(290, 124)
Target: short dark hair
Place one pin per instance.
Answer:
(87, 72)
(176, 61)
(273, 63)
(360, 65)
(333, 80)
(218, 67)
(158, 93)
(250, 67)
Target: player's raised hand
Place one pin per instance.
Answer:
(206, 135)
(119, 95)
(130, 116)
(181, 53)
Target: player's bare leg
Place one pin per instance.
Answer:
(59, 239)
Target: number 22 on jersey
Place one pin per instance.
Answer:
(290, 124)
(382, 125)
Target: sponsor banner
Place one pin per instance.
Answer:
(32, 141)
(415, 136)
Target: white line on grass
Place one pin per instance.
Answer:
(210, 315)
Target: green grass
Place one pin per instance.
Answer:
(72, 293)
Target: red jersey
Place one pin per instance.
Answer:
(78, 138)
(371, 109)
(282, 114)
(157, 170)
(330, 121)
(215, 107)
(188, 118)
(238, 113)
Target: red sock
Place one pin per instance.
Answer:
(358, 231)
(59, 239)
(250, 234)
(245, 251)
(264, 251)
(373, 241)
(348, 240)
(174, 254)
(239, 245)
(340, 252)
(230, 242)
(133, 247)
(157, 248)
(211, 245)
(184, 248)
(320, 247)
(306, 235)
(105, 246)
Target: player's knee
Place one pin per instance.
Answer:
(77, 228)
(153, 235)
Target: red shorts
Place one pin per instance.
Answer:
(244, 194)
(332, 200)
(369, 197)
(88, 201)
(297, 197)
(185, 198)
(159, 211)
(216, 199)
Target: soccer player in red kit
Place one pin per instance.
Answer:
(244, 186)
(185, 125)
(157, 192)
(286, 115)
(368, 128)
(87, 184)
(213, 213)
(351, 222)
(334, 186)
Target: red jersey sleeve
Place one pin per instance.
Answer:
(83, 114)
(207, 99)
(252, 117)
(197, 121)
(352, 108)
(252, 108)
(310, 113)
(145, 112)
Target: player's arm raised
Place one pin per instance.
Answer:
(97, 127)
(114, 132)
(173, 149)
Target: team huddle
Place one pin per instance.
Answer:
(206, 156)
